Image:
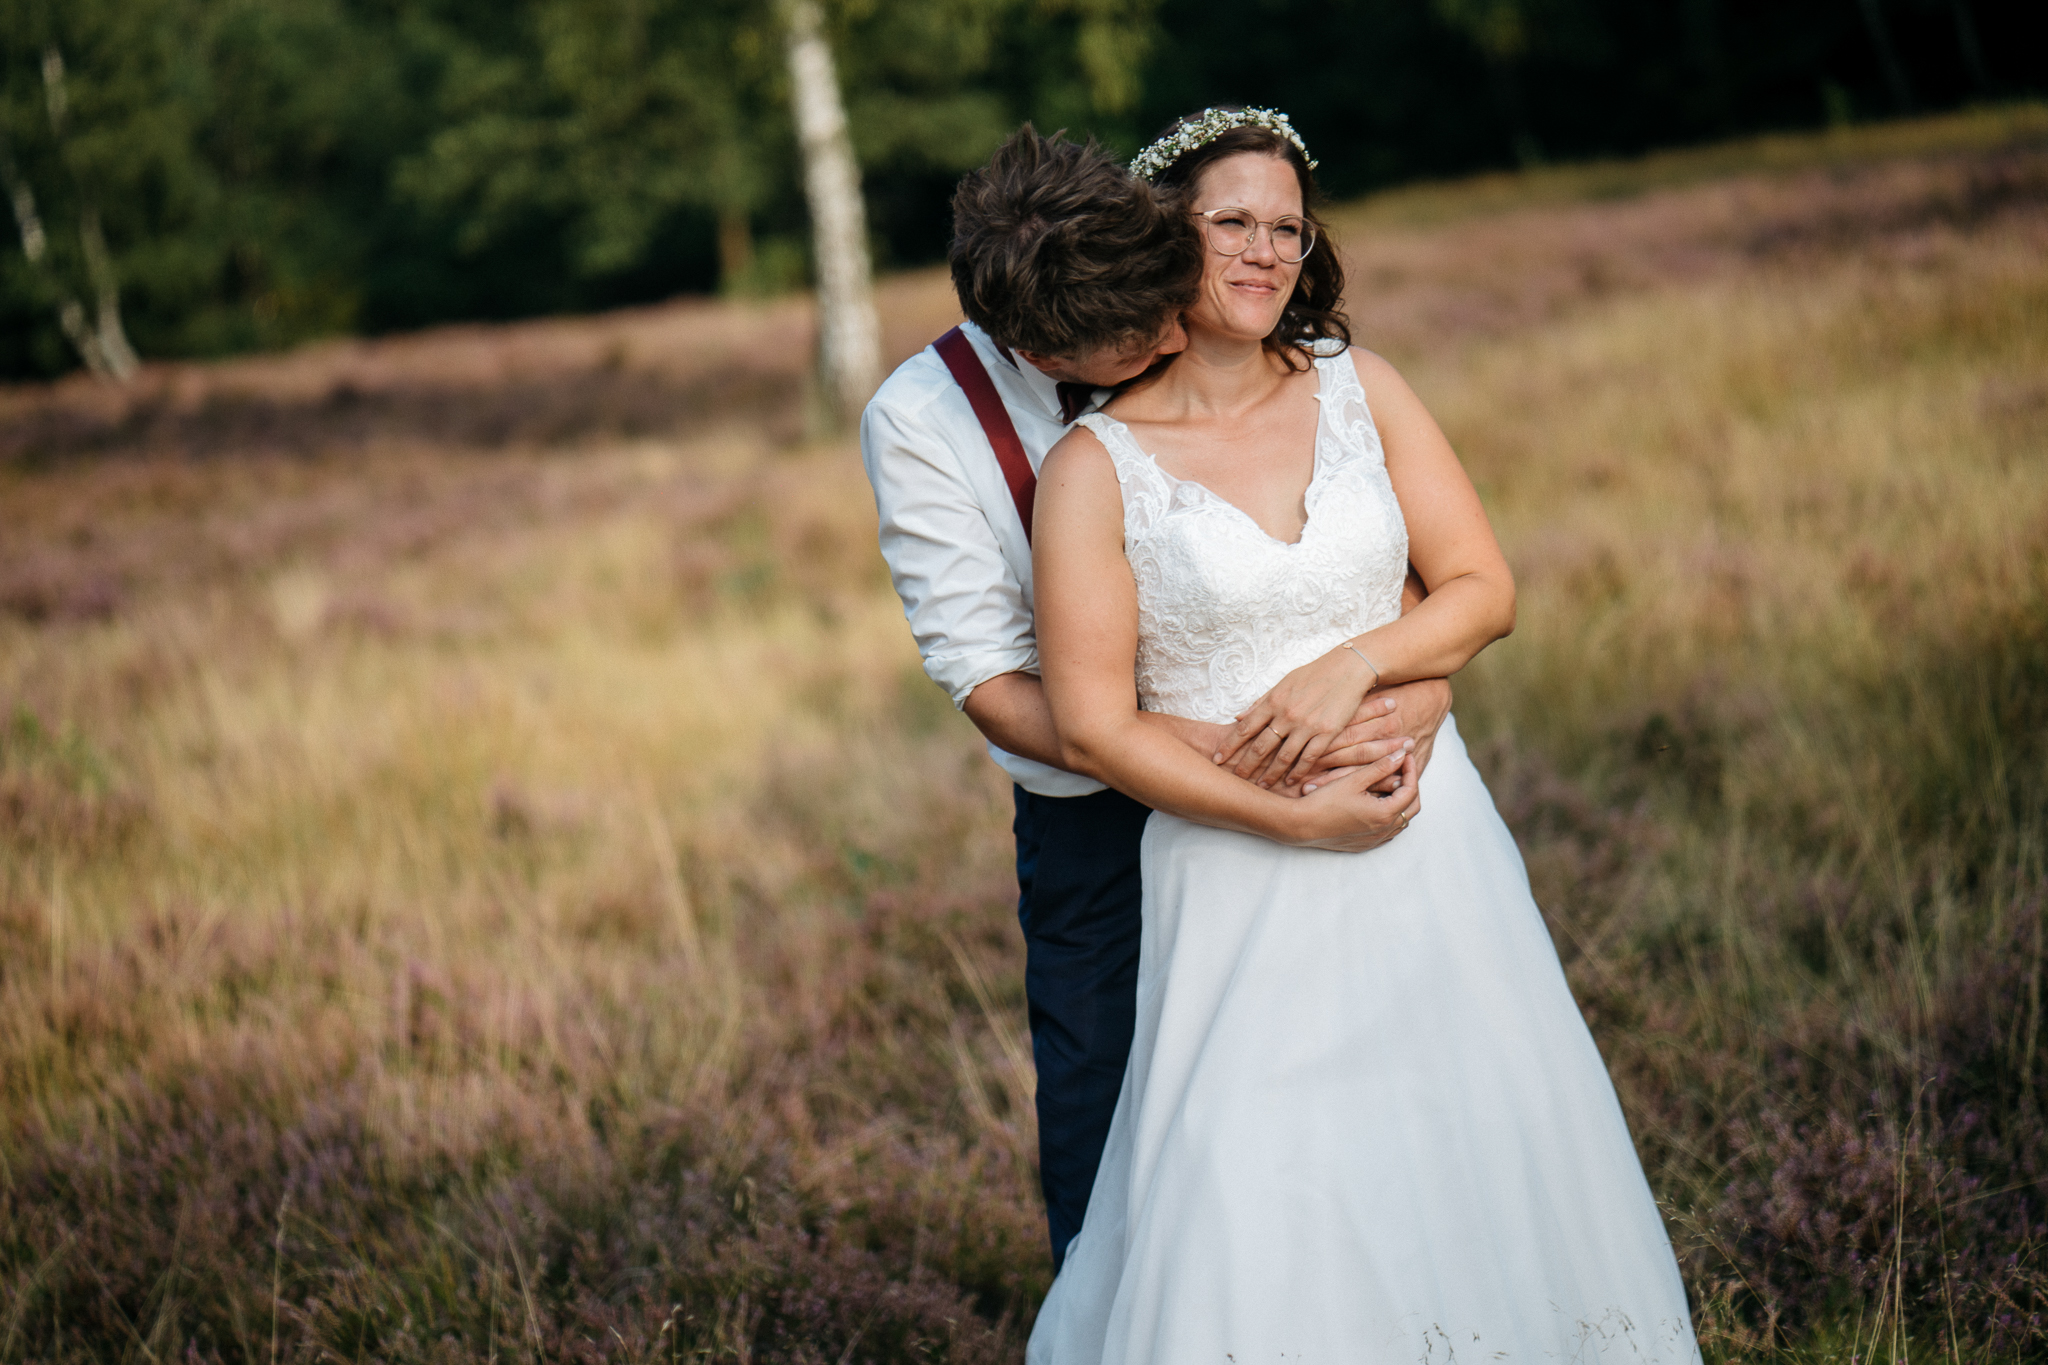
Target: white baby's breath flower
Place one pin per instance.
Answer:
(1205, 128)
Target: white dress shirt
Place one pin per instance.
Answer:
(950, 532)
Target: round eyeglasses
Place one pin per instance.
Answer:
(1232, 232)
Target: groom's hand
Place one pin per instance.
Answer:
(1414, 710)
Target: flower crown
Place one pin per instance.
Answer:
(1205, 128)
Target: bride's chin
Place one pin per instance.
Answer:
(1244, 331)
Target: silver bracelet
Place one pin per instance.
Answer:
(1367, 662)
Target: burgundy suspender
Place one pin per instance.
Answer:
(958, 352)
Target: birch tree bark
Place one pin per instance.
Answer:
(101, 341)
(849, 334)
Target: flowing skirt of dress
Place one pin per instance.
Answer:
(1363, 1120)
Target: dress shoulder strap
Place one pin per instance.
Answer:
(1146, 488)
(972, 376)
(1347, 418)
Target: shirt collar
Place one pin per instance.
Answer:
(1044, 389)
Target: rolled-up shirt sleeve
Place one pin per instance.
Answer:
(968, 606)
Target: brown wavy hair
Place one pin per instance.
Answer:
(1315, 312)
(1058, 249)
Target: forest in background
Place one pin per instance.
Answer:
(253, 173)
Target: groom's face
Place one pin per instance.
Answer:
(1112, 365)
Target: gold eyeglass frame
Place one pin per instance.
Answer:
(1308, 231)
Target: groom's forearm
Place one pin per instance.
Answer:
(1012, 713)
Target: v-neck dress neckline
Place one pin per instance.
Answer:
(1202, 491)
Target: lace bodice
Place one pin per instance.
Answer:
(1224, 610)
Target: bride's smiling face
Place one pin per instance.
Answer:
(1242, 296)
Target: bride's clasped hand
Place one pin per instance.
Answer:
(1345, 811)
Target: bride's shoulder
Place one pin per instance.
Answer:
(1370, 363)
(1079, 453)
(1078, 499)
(1378, 377)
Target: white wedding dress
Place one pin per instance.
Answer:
(1363, 1120)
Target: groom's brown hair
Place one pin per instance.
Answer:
(1058, 249)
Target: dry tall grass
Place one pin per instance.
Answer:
(510, 891)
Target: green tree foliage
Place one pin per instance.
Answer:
(231, 148)
(1500, 30)
(267, 170)
(276, 169)
(614, 116)
(606, 116)
(1389, 90)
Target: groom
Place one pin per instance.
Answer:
(1073, 275)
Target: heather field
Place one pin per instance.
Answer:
(483, 877)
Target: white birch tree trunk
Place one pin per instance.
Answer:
(101, 342)
(849, 334)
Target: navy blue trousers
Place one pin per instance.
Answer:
(1077, 874)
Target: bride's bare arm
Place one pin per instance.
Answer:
(1087, 620)
(1012, 713)
(1470, 604)
(1471, 601)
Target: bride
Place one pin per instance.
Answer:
(1363, 1120)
